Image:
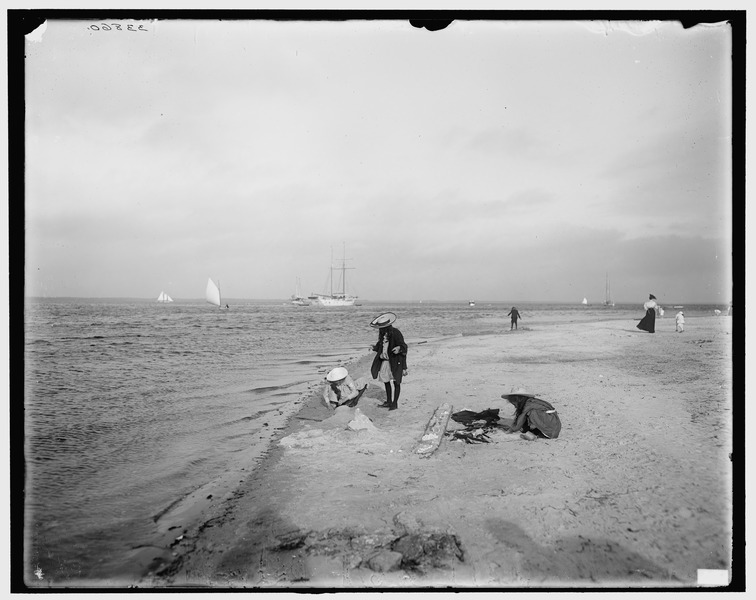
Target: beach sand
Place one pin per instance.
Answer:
(636, 491)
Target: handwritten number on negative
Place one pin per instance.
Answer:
(116, 27)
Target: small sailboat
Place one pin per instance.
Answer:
(164, 298)
(585, 302)
(608, 301)
(297, 299)
(472, 303)
(213, 293)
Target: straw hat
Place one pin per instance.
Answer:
(517, 392)
(383, 320)
(337, 374)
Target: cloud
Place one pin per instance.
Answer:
(473, 158)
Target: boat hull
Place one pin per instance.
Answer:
(335, 301)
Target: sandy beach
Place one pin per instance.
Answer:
(636, 491)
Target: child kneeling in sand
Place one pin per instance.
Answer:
(533, 416)
(341, 389)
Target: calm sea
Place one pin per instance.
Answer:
(131, 406)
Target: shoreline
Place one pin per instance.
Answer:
(615, 499)
(187, 517)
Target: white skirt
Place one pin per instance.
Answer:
(385, 374)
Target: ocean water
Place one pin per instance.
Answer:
(130, 406)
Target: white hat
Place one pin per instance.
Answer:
(383, 320)
(518, 392)
(337, 374)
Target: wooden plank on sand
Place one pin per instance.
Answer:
(434, 431)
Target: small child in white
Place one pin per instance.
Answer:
(679, 322)
(341, 389)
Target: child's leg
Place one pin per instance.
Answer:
(388, 394)
(397, 391)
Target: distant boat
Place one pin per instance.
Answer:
(608, 301)
(585, 301)
(213, 293)
(339, 298)
(297, 299)
(717, 312)
(164, 298)
(472, 302)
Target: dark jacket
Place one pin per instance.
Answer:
(398, 362)
(538, 414)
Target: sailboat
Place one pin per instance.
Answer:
(297, 299)
(608, 301)
(164, 298)
(339, 298)
(213, 294)
(585, 301)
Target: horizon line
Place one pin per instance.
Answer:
(423, 300)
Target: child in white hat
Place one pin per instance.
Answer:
(679, 322)
(341, 389)
(390, 361)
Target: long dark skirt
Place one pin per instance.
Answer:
(648, 322)
(545, 423)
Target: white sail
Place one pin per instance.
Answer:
(163, 298)
(585, 301)
(212, 293)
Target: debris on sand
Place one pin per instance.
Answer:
(382, 551)
(434, 431)
(477, 425)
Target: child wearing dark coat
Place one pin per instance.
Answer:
(533, 416)
(390, 362)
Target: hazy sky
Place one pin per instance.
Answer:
(490, 160)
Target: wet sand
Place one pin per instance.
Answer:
(635, 492)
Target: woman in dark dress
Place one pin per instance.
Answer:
(648, 322)
(533, 417)
(390, 362)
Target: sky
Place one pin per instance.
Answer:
(491, 160)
